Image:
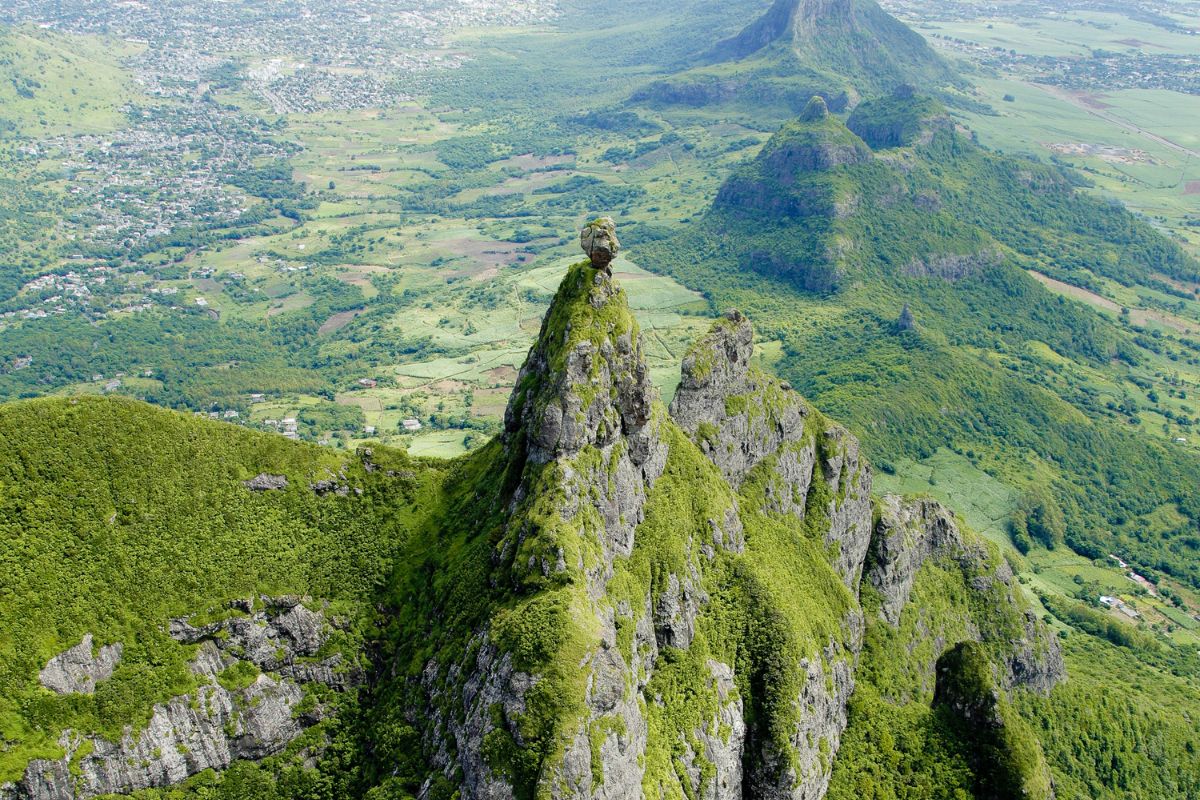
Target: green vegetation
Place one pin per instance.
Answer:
(927, 718)
(53, 83)
(1117, 729)
(393, 264)
(798, 49)
(117, 517)
(949, 235)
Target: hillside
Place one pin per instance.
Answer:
(838, 49)
(931, 221)
(49, 83)
(711, 568)
(118, 518)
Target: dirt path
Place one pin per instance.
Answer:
(1137, 316)
(1124, 124)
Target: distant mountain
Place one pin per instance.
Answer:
(838, 49)
(929, 218)
(853, 38)
(897, 191)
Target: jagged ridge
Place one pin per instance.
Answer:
(662, 605)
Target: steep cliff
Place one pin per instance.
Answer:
(622, 601)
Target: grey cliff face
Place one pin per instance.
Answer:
(907, 535)
(848, 475)
(266, 483)
(599, 400)
(744, 420)
(78, 670)
(209, 728)
(722, 740)
(723, 402)
(750, 424)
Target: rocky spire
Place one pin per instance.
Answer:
(585, 381)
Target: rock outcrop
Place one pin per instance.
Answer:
(266, 483)
(78, 670)
(789, 179)
(1005, 757)
(236, 711)
(581, 432)
(953, 266)
(910, 534)
(902, 119)
(741, 418)
(634, 629)
(599, 240)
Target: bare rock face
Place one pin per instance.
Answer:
(581, 427)
(815, 111)
(599, 240)
(78, 670)
(753, 427)
(278, 638)
(737, 414)
(205, 729)
(909, 534)
(953, 266)
(722, 739)
(744, 420)
(266, 483)
(848, 476)
(619, 550)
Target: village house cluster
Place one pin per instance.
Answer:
(354, 53)
(167, 170)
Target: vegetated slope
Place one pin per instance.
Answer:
(656, 605)
(947, 228)
(798, 48)
(48, 83)
(607, 600)
(117, 517)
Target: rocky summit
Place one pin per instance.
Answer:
(671, 603)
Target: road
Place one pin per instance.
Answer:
(1075, 100)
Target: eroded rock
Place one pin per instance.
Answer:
(206, 729)
(265, 482)
(79, 669)
(599, 240)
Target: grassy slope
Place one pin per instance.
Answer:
(51, 84)
(117, 516)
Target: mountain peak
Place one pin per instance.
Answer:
(854, 39)
(585, 381)
(783, 21)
